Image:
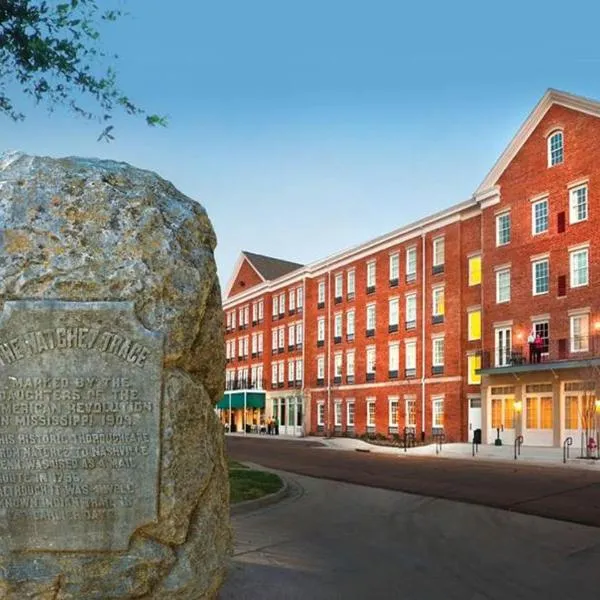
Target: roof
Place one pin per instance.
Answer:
(269, 267)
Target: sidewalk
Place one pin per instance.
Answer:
(534, 455)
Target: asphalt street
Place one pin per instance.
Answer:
(559, 493)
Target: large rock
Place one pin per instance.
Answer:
(100, 231)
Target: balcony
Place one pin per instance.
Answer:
(337, 380)
(410, 277)
(349, 337)
(320, 381)
(410, 373)
(562, 353)
(393, 374)
(350, 296)
(320, 343)
(410, 324)
(350, 379)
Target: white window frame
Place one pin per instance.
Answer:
(411, 307)
(274, 372)
(411, 261)
(394, 266)
(534, 280)
(299, 334)
(371, 321)
(260, 341)
(394, 311)
(393, 414)
(338, 325)
(410, 354)
(394, 356)
(338, 364)
(436, 401)
(437, 351)
(291, 335)
(321, 329)
(350, 363)
(350, 322)
(281, 378)
(299, 298)
(233, 313)
(291, 370)
(299, 366)
(337, 413)
(292, 300)
(261, 310)
(281, 338)
(574, 203)
(275, 306)
(350, 414)
(339, 285)
(584, 345)
(254, 312)
(572, 254)
(408, 400)
(498, 229)
(320, 367)
(321, 292)
(321, 413)
(282, 303)
(371, 273)
(351, 282)
(551, 136)
(370, 359)
(499, 274)
(435, 293)
(370, 401)
(534, 206)
(439, 251)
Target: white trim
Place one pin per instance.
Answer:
(578, 182)
(402, 382)
(550, 98)
(545, 255)
(236, 271)
(539, 197)
(576, 247)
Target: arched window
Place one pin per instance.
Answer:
(555, 148)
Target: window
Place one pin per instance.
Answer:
(394, 268)
(555, 149)
(321, 413)
(228, 321)
(571, 412)
(539, 217)
(438, 252)
(579, 267)
(410, 418)
(411, 311)
(299, 336)
(274, 339)
(393, 359)
(437, 412)
(274, 373)
(350, 363)
(338, 413)
(503, 285)
(474, 270)
(261, 310)
(578, 204)
(292, 300)
(474, 324)
(281, 340)
(254, 344)
(350, 325)
(411, 263)
(350, 413)
(371, 318)
(321, 293)
(233, 320)
(410, 358)
(474, 364)
(579, 333)
(320, 367)
(337, 327)
(503, 229)
(437, 359)
(339, 284)
(337, 365)
(254, 312)
(371, 275)
(291, 335)
(299, 298)
(275, 306)
(321, 330)
(291, 365)
(438, 302)
(541, 328)
(538, 412)
(370, 412)
(299, 366)
(371, 359)
(540, 276)
(394, 310)
(350, 284)
(393, 411)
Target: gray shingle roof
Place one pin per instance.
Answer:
(271, 268)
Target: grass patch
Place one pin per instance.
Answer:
(246, 484)
(234, 464)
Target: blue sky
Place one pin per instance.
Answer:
(308, 127)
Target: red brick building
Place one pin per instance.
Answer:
(427, 327)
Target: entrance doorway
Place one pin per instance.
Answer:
(474, 416)
(289, 414)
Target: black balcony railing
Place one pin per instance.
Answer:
(245, 384)
(578, 348)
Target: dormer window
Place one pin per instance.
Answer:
(555, 148)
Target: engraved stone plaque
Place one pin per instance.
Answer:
(80, 406)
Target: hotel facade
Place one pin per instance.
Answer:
(427, 329)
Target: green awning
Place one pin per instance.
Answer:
(253, 400)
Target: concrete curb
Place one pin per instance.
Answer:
(251, 505)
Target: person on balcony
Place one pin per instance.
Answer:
(531, 342)
(539, 346)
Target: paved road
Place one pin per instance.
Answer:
(559, 493)
(334, 540)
